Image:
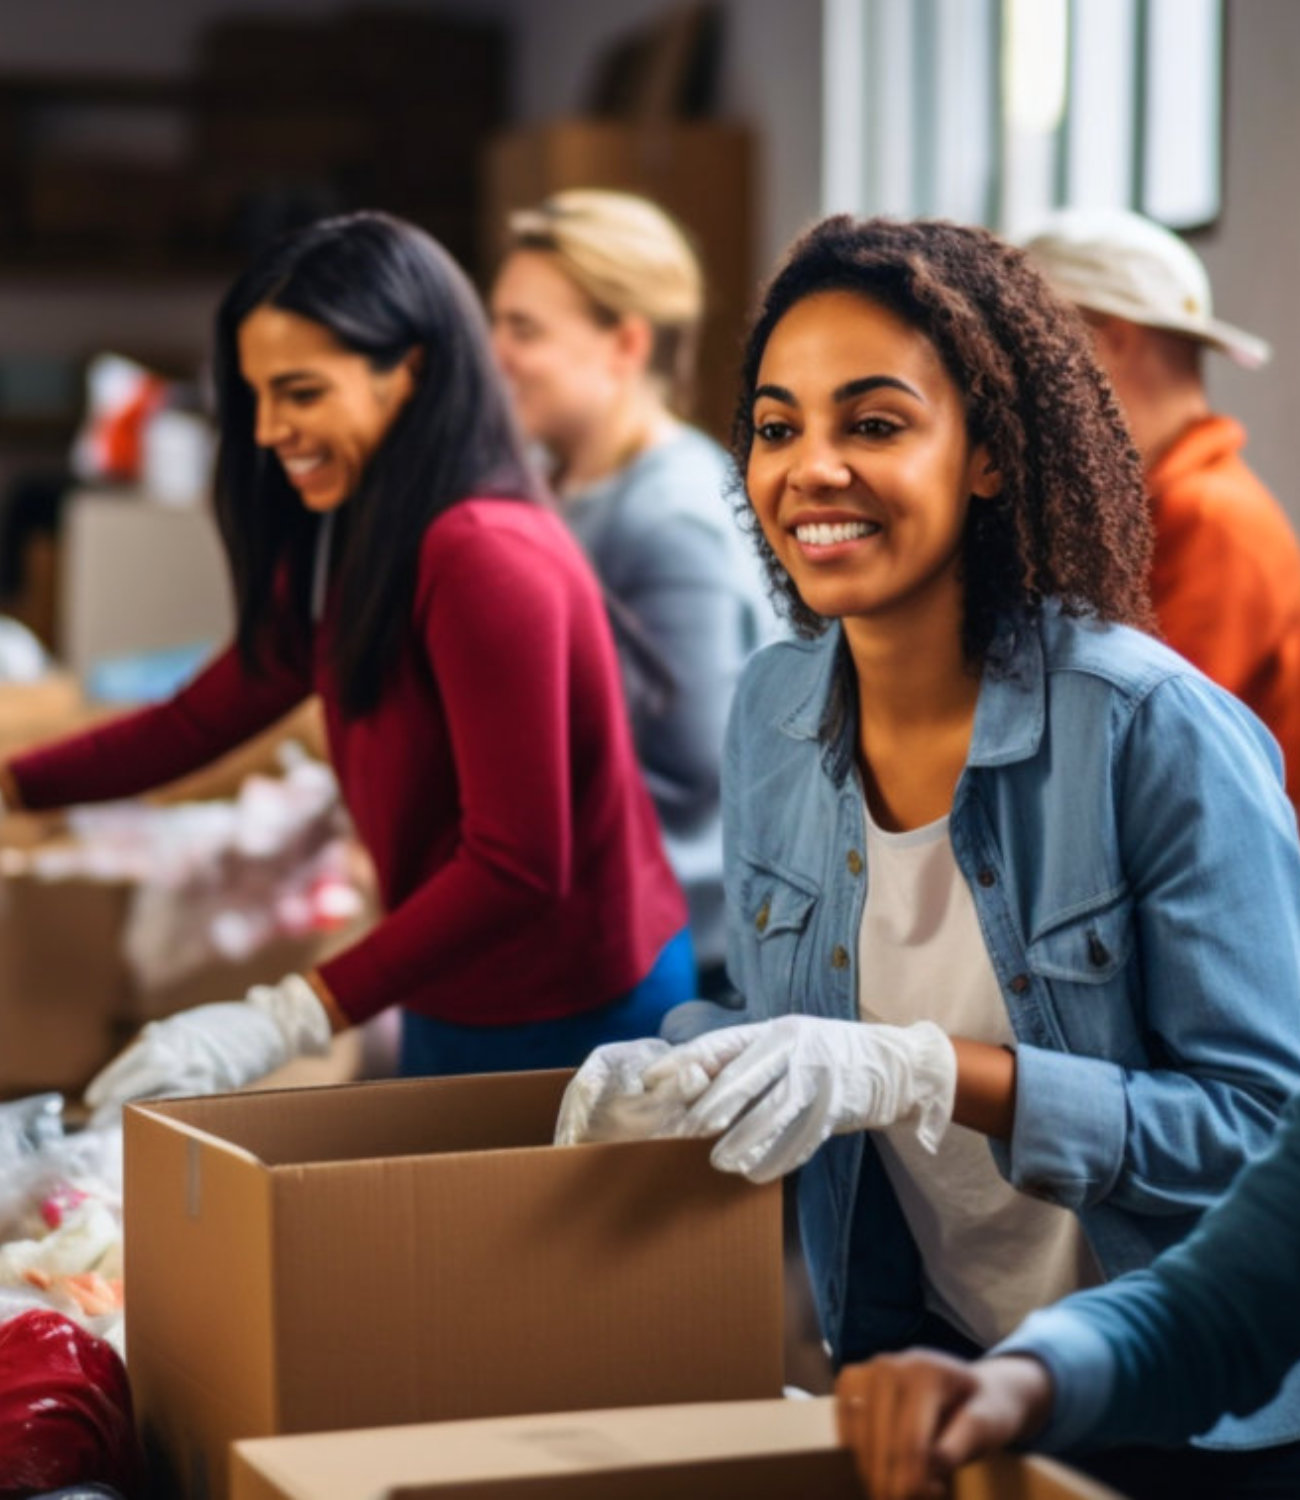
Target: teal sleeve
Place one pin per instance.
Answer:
(1211, 1327)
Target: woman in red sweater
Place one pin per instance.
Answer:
(388, 552)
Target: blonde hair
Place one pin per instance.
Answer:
(628, 257)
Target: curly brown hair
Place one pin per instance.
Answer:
(1071, 522)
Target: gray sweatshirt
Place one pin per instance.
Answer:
(665, 544)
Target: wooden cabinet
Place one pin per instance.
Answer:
(282, 120)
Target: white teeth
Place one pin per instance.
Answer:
(823, 534)
(300, 466)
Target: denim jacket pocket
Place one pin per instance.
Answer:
(1088, 944)
(776, 906)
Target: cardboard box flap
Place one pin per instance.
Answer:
(180, 1273)
(399, 1117)
(193, 1131)
(359, 1465)
(749, 1450)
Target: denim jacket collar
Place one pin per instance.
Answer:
(1009, 714)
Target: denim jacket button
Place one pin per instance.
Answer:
(854, 861)
(764, 912)
(986, 877)
(1020, 984)
(839, 957)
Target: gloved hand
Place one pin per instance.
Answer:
(215, 1047)
(779, 1088)
(606, 1099)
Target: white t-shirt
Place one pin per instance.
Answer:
(991, 1254)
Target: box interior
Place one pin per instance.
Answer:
(395, 1118)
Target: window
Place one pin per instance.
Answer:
(995, 111)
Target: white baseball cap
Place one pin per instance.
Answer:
(1117, 262)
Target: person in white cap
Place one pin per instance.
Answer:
(1225, 576)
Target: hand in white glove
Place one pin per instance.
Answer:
(215, 1047)
(779, 1088)
(607, 1101)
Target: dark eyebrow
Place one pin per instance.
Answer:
(845, 392)
(290, 376)
(860, 387)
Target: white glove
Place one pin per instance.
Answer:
(215, 1047)
(607, 1101)
(780, 1088)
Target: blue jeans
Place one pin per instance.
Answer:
(433, 1047)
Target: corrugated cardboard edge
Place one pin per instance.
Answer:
(451, 1458)
(174, 1180)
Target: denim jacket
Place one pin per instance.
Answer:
(1133, 860)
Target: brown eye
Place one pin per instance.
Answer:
(875, 427)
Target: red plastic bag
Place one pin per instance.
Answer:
(65, 1409)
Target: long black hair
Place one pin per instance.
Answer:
(382, 288)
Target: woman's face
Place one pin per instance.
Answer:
(861, 471)
(565, 369)
(322, 409)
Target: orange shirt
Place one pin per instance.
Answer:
(1225, 578)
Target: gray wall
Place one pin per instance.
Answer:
(1253, 254)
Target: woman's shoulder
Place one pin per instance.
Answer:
(1146, 676)
(1130, 660)
(789, 680)
(495, 542)
(486, 523)
(687, 477)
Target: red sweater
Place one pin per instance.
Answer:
(495, 784)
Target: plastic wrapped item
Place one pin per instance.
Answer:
(216, 881)
(28, 1125)
(221, 880)
(60, 1218)
(65, 1409)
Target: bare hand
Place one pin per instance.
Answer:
(912, 1419)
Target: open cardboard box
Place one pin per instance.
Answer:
(416, 1250)
(741, 1450)
(69, 1000)
(31, 712)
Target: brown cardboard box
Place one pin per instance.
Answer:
(32, 712)
(68, 999)
(740, 1450)
(63, 985)
(322, 1259)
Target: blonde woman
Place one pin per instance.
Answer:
(595, 316)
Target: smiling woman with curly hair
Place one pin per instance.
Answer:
(1012, 888)
(1071, 520)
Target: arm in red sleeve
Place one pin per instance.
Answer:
(497, 632)
(221, 708)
